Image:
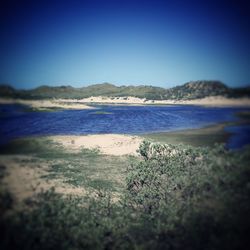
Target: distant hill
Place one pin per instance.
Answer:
(188, 91)
(197, 89)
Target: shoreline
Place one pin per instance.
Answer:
(126, 144)
(198, 137)
(212, 101)
(108, 144)
(46, 105)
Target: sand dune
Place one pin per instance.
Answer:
(23, 180)
(111, 144)
(218, 101)
(47, 104)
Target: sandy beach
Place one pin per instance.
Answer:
(219, 101)
(47, 104)
(25, 180)
(25, 173)
(110, 144)
(216, 101)
(119, 144)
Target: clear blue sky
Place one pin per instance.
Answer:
(163, 43)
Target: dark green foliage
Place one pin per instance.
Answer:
(202, 192)
(197, 89)
(7, 91)
(2, 171)
(65, 223)
(85, 168)
(176, 197)
(6, 202)
(31, 146)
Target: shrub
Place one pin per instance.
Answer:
(176, 197)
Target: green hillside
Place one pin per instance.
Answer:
(190, 90)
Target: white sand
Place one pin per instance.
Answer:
(219, 101)
(23, 180)
(111, 144)
(46, 104)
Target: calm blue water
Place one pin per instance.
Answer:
(17, 122)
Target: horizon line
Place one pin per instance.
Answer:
(118, 85)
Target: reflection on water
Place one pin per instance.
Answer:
(17, 122)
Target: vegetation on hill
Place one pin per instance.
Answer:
(198, 89)
(190, 90)
(175, 197)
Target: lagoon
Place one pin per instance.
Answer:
(17, 121)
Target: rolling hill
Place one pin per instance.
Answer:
(187, 91)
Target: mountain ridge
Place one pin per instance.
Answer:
(188, 91)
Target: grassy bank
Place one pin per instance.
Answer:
(87, 168)
(207, 136)
(171, 197)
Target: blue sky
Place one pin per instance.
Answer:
(162, 43)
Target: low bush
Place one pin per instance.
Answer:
(176, 197)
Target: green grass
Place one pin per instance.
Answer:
(2, 171)
(195, 137)
(174, 197)
(31, 146)
(87, 168)
(206, 136)
(101, 184)
(91, 170)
